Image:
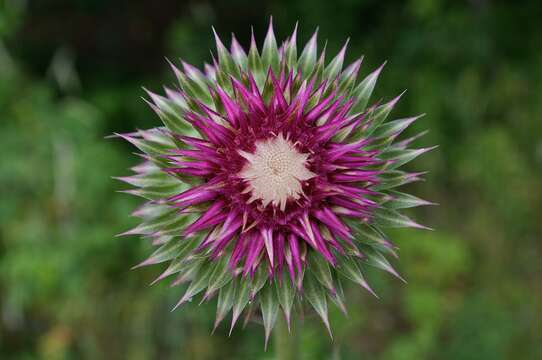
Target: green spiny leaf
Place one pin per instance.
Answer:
(393, 128)
(148, 147)
(380, 114)
(157, 192)
(362, 92)
(241, 300)
(194, 83)
(165, 253)
(226, 297)
(376, 259)
(155, 224)
(225, 60)
(338, 296)
(270, 53)
(170, 111)
(318, 75)
(398, 157)
(200, 282)
(308, 55)
(320, 269)
(220, 277)
(290, 50)
(255, 64)
(270, 308)
(391, 218)
(151, 210)
(401, 200)
(335, 66)
(286, 296)
(316, 295)
(395, 178)
(150, 179)
(372, 236)
(259, 280)
(350, 269)
(349, 76)
(238, 54)
(180, 263)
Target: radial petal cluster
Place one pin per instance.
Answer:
(271, 178)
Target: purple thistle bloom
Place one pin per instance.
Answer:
(271, 178)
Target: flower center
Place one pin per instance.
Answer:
(275, 171)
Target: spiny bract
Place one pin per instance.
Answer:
(271, 178)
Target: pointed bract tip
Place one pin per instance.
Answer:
(127, 233)
(287, 317)
(294, 33)
(267, 336)
(215, 325)
(218, 320)
(328, 327)
(182, 301)
(367, 287)
(218, 42)
(396, 99)
(235, 45)
(379, 69)
(411, 223)
(141, 264)
(345, 46)
(170, 63)
(232, 326)
(392, 271)
(314, 36)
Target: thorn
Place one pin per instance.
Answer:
(328, 327)
(182, 301)
(419, 226)
(294, 33)
(141, 264)
(287, 318)
(218, 320)
(396, 99)
(366, 286)
(127, 232)
(266, 341)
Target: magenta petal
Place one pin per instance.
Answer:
(232, 109)
(212, 216)
(321, 245)
(254, 251)
(279, 250)
(229, 230)
(327, 217)
(267, 235)
(296, 258)
(238, 252)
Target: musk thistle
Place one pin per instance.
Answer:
(271, 179)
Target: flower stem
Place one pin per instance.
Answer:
(286, 343)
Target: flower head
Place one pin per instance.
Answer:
(271, 178)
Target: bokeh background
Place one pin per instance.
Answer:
(71, 73)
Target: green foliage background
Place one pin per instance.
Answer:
(71, 73)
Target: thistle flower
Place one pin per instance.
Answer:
(270, 180)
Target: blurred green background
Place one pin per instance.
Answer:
(71, 73)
